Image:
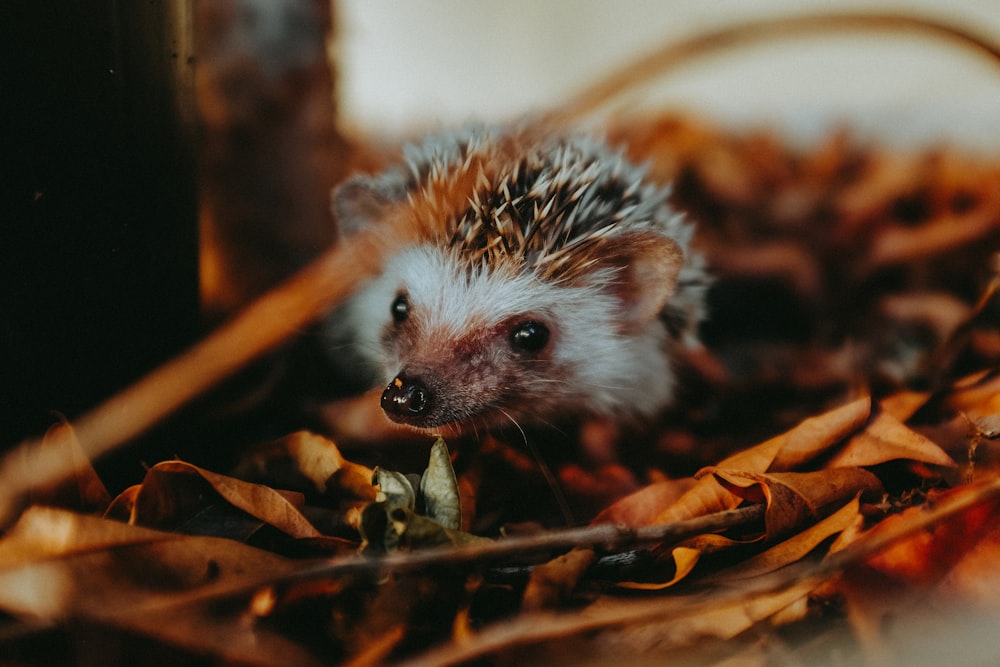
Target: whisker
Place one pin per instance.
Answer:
(547, 474)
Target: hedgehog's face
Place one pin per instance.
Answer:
(468, 349)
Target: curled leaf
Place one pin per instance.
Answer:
(386, 529)
(794, 499)
(439, 488)
(393, 523)
(808, 440)
(395, 488)
(173, 491)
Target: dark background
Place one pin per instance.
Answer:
(98, 209)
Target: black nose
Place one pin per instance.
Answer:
(406, 397)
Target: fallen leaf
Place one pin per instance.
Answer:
(794, 499)
(977, 395)
(813, 437)
(793, 549)
(57, 564)
(904, 404)
(642, 507)
(884, 439)
(439, 488)
(553, 581)
(707, 496)
(308, 461)
(684, 559)
(802, 443)
(167, 497)
(927, 556)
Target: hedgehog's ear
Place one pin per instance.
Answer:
(647, 267)
(361, 201)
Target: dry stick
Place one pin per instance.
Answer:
(656, 64)
(606, 536)
(261, 327)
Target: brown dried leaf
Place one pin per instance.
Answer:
(707, 496)
(794, 499)
(551, 582)
(924, 558)
(55, 564)
(814, 436)
(170, 492)
(903, 404)
(977, 395)
(794, 548)
(645, 505)
(315, 458)
(684, 559)
(884, 439)
(945, 233)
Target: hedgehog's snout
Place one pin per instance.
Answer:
(406, 398)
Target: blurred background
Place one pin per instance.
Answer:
(423, 64)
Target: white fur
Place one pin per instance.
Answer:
(601, 370)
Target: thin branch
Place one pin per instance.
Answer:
(605, 536)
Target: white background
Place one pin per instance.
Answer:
(405, 66)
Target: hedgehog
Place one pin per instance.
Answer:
(545, 279)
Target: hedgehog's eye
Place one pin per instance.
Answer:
(530, 336)
(400, 308)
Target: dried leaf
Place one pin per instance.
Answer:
(684, 559)
(903, 404)
(794, 548)
(167, 497)
(553, 581)
(884, 439)
(439, 488)
(977, 395)
(386, 528)
(55, 564)
(396, 489)
(793, 499)
(707, 496)
(814, 436)
(308, 462)
(320, 460)
(926, 557)
(645, 505)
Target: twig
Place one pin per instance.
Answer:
(607, 536)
